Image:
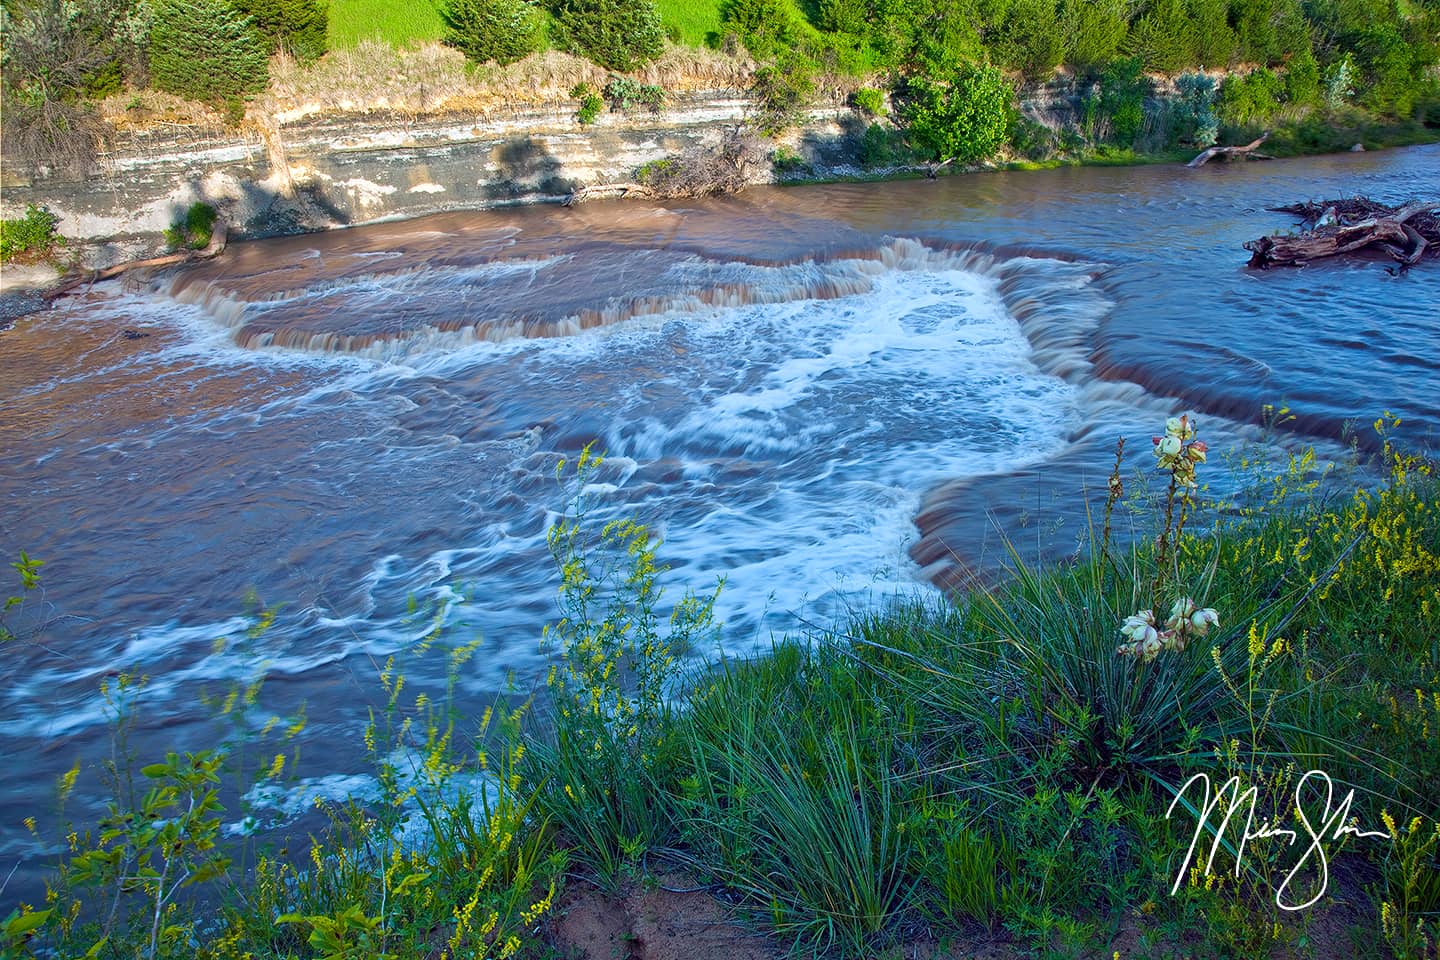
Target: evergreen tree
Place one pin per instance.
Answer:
(1164, 38)
(1302, 78)
(1215, 41)
(618, 34)
(199, 49)
(295, 25)
(1095, 31)
(484, 30)
(1031, 40)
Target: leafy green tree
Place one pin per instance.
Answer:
(297, 26)
(484, 30)
(965, 119)
(1123, 88)
(618, 34)
(199, 49)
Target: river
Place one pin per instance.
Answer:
(827, 395)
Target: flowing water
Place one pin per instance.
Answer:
(828, 396)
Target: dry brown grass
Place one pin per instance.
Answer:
(432, 79)
(131, 111)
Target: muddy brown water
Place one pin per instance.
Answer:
(829, 396)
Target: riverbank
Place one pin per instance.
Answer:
(983, 778)
(318, 167)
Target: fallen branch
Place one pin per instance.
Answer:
(1406, 233)
(211, 250)
(606, 191)
(1232, 153)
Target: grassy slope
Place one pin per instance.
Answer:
(952, 772)
(689, 22)
(394, 21)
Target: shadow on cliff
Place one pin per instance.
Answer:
(521, 167)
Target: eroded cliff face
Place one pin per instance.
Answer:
(322, 172)
(337, 171)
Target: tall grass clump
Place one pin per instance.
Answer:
(613, 746)
(446, 856)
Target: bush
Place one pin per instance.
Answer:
(1165, 37)
(618, 34)
(783, 89)
(297, 26)
(1031, 39)
(591, 103)
(200, 50)
(1194, 117)
(1249, 99)
(1302, 79)
(869, 101)
(54, 54)
(194, 230)
(625, 95)
(875, 149)
(502, 31)
(767, 27)
(1121, 104)
(963, 120)
(33, 236)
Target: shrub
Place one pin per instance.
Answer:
(963, 120)
(1031, 40)
(194, 230)
(1121, 103)
(783, 89)
(785, 161)
(869, 101)
(875, 149)
(1302, 78)
(33, 236)
(54, 54)
(591, 103)
(1215, 41)
(199, 49)
(1249, 99)
(618, 34)
(297, 26)
(502, 31)
(625, 94)
(1194, 117)
(767, 27)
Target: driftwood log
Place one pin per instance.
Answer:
(210, 251)
(1406, 233)
(1246, 152)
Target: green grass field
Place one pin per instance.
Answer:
(393, 21)
(690, 21)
